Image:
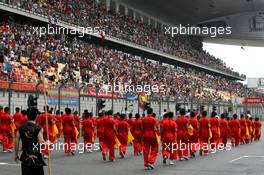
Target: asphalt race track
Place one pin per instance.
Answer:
(244, 160)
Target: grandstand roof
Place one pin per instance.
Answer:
(193, 11)
(199, 11)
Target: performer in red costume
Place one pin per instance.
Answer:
(214, 123)
(136, 131)
(243, 127)
(182, 136)
(6, 120)
(41, 120)
(70, 140)
(122, 134)
(88, 131)
(257, 124)
(168, 135)
(58, 122)
(204, 133)
(18, 119)
(1, 132)
(77, 121)
(150, 144)
(193, 139)
(223, 124)
(109, 136)
(235, 129)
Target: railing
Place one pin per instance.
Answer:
(80, 97)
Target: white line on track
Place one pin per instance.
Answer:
(8, 164)
(246, 156)
(231, 161)
(256, 156)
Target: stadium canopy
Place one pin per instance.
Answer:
(247, 14)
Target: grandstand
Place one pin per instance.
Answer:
(125, 50)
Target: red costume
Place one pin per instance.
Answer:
(88, 131)
(7, 139)
(193, 139)
(223, 131)
(136, 131)
(1, 132)
(17, 119)
(214, 122)
(204, 133)
(68, 132)
(249, 126)
(109, 137)
(182, 136)
(58, 123)
(243, 127)
(100, 131)
(168, 138)
(122, 135)
(235, 129)
(41, 120)
(150, 147)
(257, 130)
(77, 122)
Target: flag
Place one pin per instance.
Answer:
(250, 129)
(247, 132)
(142, 100)
(13, 126)
(210, 134)
(190, 130)
(158, 138)
(94, 137)
(130, 137)
(117, 142)
(76, 132)
(55, 130)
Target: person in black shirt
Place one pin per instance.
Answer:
(31, 136)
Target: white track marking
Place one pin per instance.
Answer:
(231, 161)
(8, 164)
(248, 156)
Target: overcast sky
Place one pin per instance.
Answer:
(249, 61)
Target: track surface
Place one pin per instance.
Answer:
(246, 159)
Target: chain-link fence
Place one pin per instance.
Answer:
(79, 98)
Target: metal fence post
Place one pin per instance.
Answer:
(9, 94)
(79, 103)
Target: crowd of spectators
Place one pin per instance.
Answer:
(67, 59)
(91, 13)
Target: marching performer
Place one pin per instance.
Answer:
(168, 137)
(223, 124)
(6, 121)
(235, 129)
(150, 143)
(182, 135)
(88, 131)
(122, 134)
(204, 133)
(70, 138)
(109, 136)
(214, 123)
(137, 134)
(193, 139)
(243, 127)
